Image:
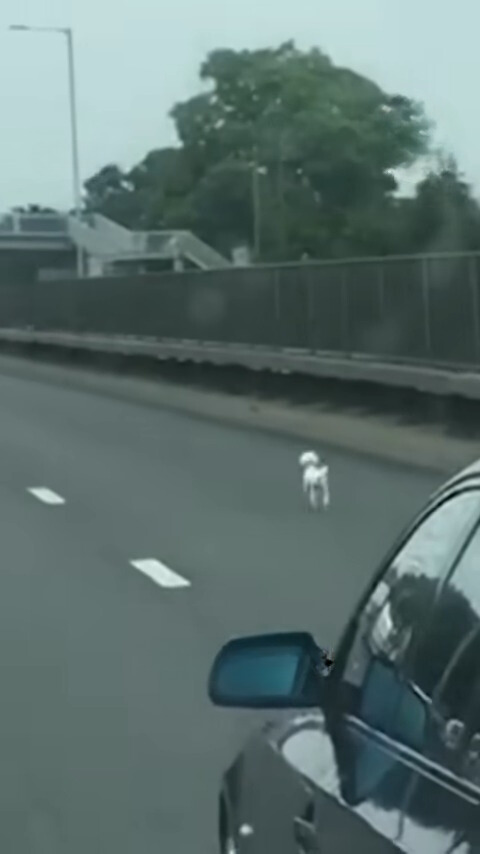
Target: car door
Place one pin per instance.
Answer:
(379, 716)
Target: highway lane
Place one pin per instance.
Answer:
(109, 740)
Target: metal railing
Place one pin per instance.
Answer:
(199, 252)
(408, 309)
(99, 236)
(170, 244)
(104, 238)
(34, 225)
(42, 224)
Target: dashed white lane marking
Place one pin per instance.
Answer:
(46, 495)
(158, 572)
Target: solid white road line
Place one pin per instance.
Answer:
(46, 495)
(158, 572)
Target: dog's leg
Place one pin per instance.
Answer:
(326, 491)
(305, 489)
(313, 497)
(324, 486)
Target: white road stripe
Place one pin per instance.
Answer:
(158, 572)
(46, 495)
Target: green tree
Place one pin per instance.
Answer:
(328, 139)
(110, 193)
(323, 140)
(162, 182)
(444, 216)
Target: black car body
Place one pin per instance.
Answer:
(390, 758)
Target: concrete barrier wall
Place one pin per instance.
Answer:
(441, 382)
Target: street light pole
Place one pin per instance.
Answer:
(77, 192)
(257, 210)
(257, 172)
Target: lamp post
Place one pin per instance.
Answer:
(67, 32)
(257, 172)
(256, 207)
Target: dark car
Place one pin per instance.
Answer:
(381, 751)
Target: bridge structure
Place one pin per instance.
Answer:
(44, 245)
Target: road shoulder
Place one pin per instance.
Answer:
(424, 446)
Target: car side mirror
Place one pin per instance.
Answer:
(277, 671)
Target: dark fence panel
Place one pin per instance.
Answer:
(450, 310)
(326, 296)
(363, 307)
(52, 305)
(231, 306)
(403, 327)
(293, 308)
(16, 306)
(474, 274)
(420, 309)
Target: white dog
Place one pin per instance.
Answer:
(315, 480)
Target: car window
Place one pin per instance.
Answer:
(375, 687)
(446, 666)
(399, 605)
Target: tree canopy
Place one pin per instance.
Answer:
(284, 145)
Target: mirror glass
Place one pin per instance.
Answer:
(266, 671)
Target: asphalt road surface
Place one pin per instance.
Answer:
(108, 744)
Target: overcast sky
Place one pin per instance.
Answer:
(134, 62)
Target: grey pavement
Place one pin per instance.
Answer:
(108, 740)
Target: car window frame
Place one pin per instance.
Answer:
(338, 710)
(438, 694)
(441, 497)
(445, 581)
